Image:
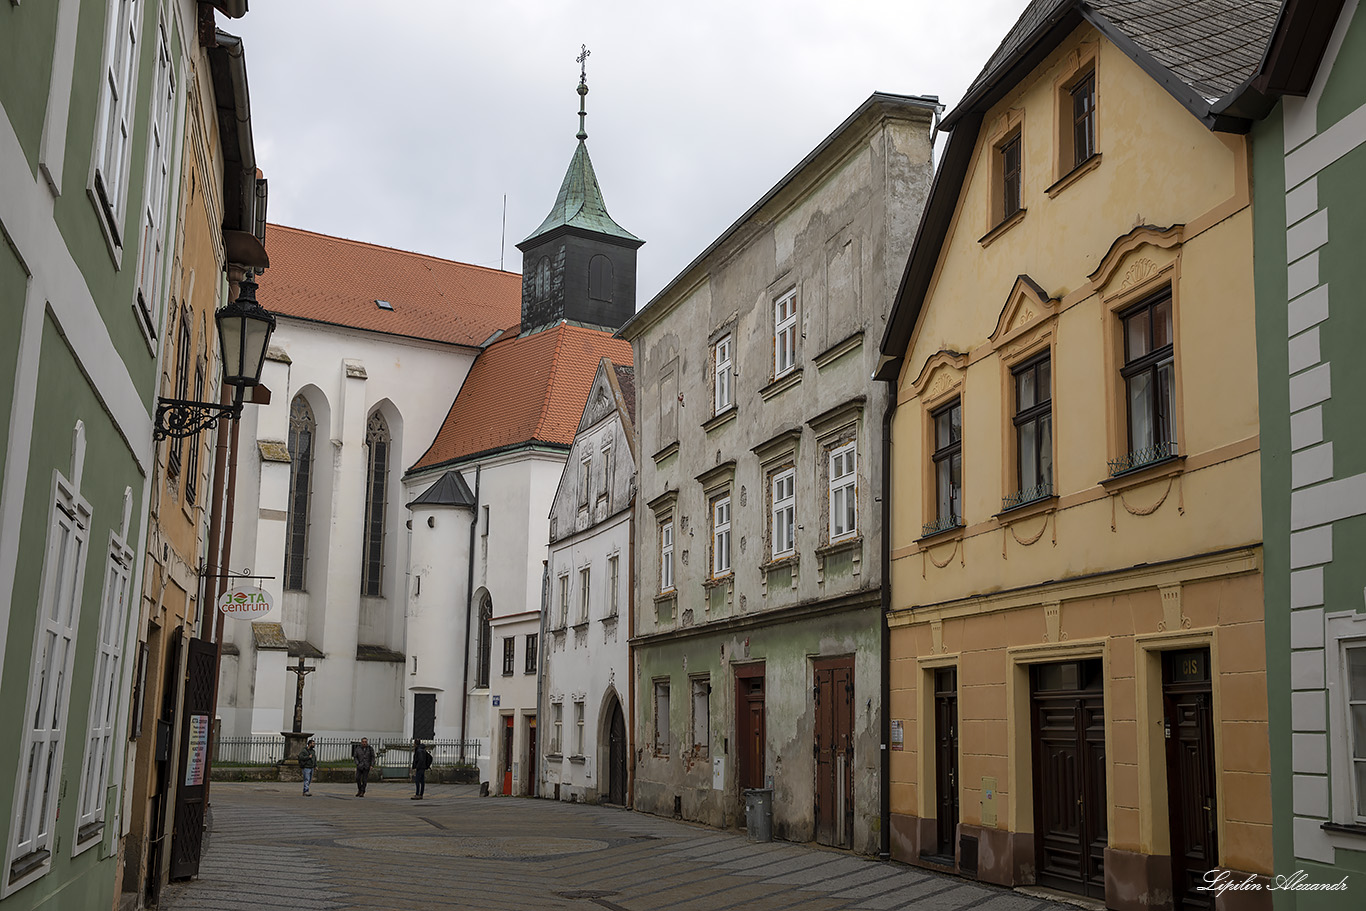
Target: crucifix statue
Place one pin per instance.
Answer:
(303, 671)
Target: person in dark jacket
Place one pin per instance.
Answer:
(364, 755)
(422, 761)
(308, 761)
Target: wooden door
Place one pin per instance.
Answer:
(532, 785)
(946, 760)
(834, 750)
(424, 716)
(1188, 726)
(616, 757)
(507, 755)
(750, 726)
(1070, 833)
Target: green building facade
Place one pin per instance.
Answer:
(1310, 211)
(92, 94)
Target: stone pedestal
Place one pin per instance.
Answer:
(289, 765)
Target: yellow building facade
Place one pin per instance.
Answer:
(1078, 691)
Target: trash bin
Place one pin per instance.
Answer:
(759, 814)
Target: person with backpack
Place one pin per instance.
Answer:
(422, 761)
(308, 761)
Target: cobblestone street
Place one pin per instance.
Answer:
(269, 848)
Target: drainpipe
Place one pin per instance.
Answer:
(631, 660)
(885, 555)
(469, 595)
(540, 672)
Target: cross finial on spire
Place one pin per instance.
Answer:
(582, 60)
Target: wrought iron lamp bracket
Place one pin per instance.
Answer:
(180, 418)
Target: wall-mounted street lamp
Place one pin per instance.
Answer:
(244, 330)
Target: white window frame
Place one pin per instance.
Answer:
(585, 478)
(783, 514)
(700, 691)
(578, 727)
(151, 262)
(613, 584)
(112, 158)
(59, 614)
(585, 592)
(666, 556)
(720, 536)
(104, 695)
(785, 334)
(564, 599)
(661, 712)
(722, 397)
(607, 467)
(843, 491)
(1343, 631)
(557, 729)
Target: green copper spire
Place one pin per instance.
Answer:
(579, 203)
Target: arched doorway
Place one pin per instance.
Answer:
(616, 755)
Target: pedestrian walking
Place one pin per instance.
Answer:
(308, 761)
(422, 761)
(364, 754)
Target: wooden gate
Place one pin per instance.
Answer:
(1188, 726)
(1070, 834)
(196, 723)
(946, 761)
(616, 757)
(834, 750)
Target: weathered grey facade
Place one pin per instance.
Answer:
(758, 527)
(585, 682)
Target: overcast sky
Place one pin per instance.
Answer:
(405, 123)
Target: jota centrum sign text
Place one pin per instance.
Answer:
(245, 603)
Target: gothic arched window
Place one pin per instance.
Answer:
(543, 278)
(301, 431)
(376, 483)
(600, 278)
(485, 653)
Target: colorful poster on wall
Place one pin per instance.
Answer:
(898, 735)
(199, 751)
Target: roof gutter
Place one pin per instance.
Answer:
(240, 222)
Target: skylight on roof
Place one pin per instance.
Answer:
(383, 305)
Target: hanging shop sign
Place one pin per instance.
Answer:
(246, 602)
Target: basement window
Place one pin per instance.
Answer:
(384, 305)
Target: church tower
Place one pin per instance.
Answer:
(579, 265)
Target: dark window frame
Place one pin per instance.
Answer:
(1012, 174)
(509, 655)
(1036, 415)
(943, 457)
(531, 643)
(484, 649)
(1083, 96)
(1152, 364)
(600, 278)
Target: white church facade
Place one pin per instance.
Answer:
(395, 492)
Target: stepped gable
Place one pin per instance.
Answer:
(523, 390)
(337, 281)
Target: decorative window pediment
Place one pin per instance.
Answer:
(941, 376)
(1138, 262)
(1027, 307)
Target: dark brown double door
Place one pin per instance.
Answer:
(751, 726)
(616, 757)
(1069, 776)
(945, 764)
(1188, 727)
(834, 751)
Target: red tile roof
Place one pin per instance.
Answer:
(337, 281)
(523, 390)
